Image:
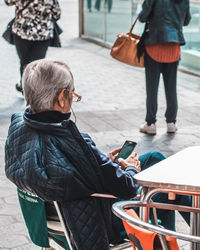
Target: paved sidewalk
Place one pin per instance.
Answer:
(111, 111)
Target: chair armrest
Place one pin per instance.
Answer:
(118, 210)
(99, 195)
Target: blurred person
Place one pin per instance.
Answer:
(33, 29)
(46, 154)
(89, 5)
(164, 23)
(107, 2)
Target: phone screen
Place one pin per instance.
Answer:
(126, 150)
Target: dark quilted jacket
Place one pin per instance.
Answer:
(166, 19)
(58, 163)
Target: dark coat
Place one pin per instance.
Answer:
(56, 162)
(166, 19)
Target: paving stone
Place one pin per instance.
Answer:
(13, 199)
(7, 191)
(29, 246)
(6, 220)
(9, 240)
(9, 209)
(16, 228)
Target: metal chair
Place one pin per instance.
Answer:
(120, 207)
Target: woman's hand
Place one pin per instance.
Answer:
(112, 155)
(132, 160)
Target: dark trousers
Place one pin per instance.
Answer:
(29, 51)
(89, 4)
(153, 70)
(108, 3)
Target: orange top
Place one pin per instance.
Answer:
(164, 52)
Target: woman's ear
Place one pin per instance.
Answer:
(61, 99)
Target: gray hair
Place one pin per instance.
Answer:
(42, 81)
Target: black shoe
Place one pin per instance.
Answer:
(19, 87)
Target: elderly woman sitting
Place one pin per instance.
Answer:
(47, 155)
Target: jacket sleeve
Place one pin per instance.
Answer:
(10, 2)
(56, 11)
(146, 10)
(187, 16)
(116, 181)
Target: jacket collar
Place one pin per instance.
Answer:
(50, 116)
(54, 128)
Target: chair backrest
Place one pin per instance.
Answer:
(139, 237)
(145, 239)
(33, 210)
(144, 235)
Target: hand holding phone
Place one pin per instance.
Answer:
(132, 160)
(126, 150)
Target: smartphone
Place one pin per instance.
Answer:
(126, 150)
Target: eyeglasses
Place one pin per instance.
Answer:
(76, 97)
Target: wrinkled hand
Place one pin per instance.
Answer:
(112, 155)
(132, 160)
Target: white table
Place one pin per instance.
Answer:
(179, 173)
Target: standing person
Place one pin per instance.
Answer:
(33, 29)
(107, 2)
(165, 20)
(89, 5)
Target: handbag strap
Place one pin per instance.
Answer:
(146, 25)
(131, 29)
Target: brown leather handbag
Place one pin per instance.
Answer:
(125, 48)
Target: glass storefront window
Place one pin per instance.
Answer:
(94, 19)
(190, 55)
(104, 19)
(118, 19)
(192, 31)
